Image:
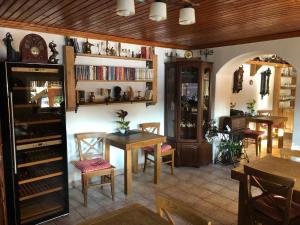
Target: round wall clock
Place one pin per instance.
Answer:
(188, 54)
(33, 49)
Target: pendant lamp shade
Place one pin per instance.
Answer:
(158, 11)
(125, 7)
(187, 16)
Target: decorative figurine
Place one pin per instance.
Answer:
(112, 51)
(107, 48)
(206, 52)
(131, 94)
(139, 97)
(125, 96)
(92, 97)
(69, 41)
(99, 49)
(12, 55)
(86, 47)
(108, 99)
(119, 49)
(117, 93)
(52, 59)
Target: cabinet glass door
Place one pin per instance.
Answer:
(189, 94)
(170, 126)
(37, 108)
(206, 100)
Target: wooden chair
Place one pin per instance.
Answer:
(166, 150)
(91, 163)
(274, 206)
(166, 206)
(253, 137)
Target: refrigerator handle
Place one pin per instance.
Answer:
(11, 109)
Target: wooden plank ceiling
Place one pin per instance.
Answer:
(219, 22)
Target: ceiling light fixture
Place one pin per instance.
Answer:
(125, 7)
(187, 15)
(158, 11)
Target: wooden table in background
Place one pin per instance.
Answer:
(131, 215)
(270, 121)
(272, 165)
(133, 142)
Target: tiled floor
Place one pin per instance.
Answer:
(208, 189)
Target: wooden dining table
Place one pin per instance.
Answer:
(135, 214)
(131, 143)
(270, 121)
(270, 164)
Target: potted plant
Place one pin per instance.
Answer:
(230, 150)
(229, 146)
(123, 125)
(251, 107)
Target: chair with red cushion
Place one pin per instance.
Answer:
(253, 136)
(91, 164)
(274, 206)
(166, 149)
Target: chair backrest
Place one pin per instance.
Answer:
(166, 206)
(270, 184)
(264, 112)
(90, 145)
(150, 127)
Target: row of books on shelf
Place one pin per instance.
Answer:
(147, 52)
(84, 72)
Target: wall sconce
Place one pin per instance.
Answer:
(158, 11)
(187, 16)
(125, 7)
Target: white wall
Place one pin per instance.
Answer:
(227, 59)
(250, 92)
(102, 117)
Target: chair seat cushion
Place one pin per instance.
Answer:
(150, 149)
(253, 132)
(92, 165)
(273, 207)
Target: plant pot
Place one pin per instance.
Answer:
(123, 131)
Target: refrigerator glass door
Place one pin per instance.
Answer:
(37, 108)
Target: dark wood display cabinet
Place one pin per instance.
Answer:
(34, 142)
(187, 110)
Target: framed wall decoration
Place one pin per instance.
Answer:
(238, 80)
(264, 83)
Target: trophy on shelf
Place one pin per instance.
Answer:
(109, 98)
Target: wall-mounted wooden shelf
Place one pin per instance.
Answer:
(71, 81)
(262, 63)
(284, 87)
(288, 76)
(115, 102)
(112, 57)
(110, 81)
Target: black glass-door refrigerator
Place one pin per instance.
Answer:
(34, 142)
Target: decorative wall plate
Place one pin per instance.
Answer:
(188, 54)
(33, 49)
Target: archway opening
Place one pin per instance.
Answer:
(279, 99)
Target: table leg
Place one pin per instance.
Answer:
(269, 142)
(127, 171)
(107, 151)
(157, 163)
(280, 138)
(135, 160)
